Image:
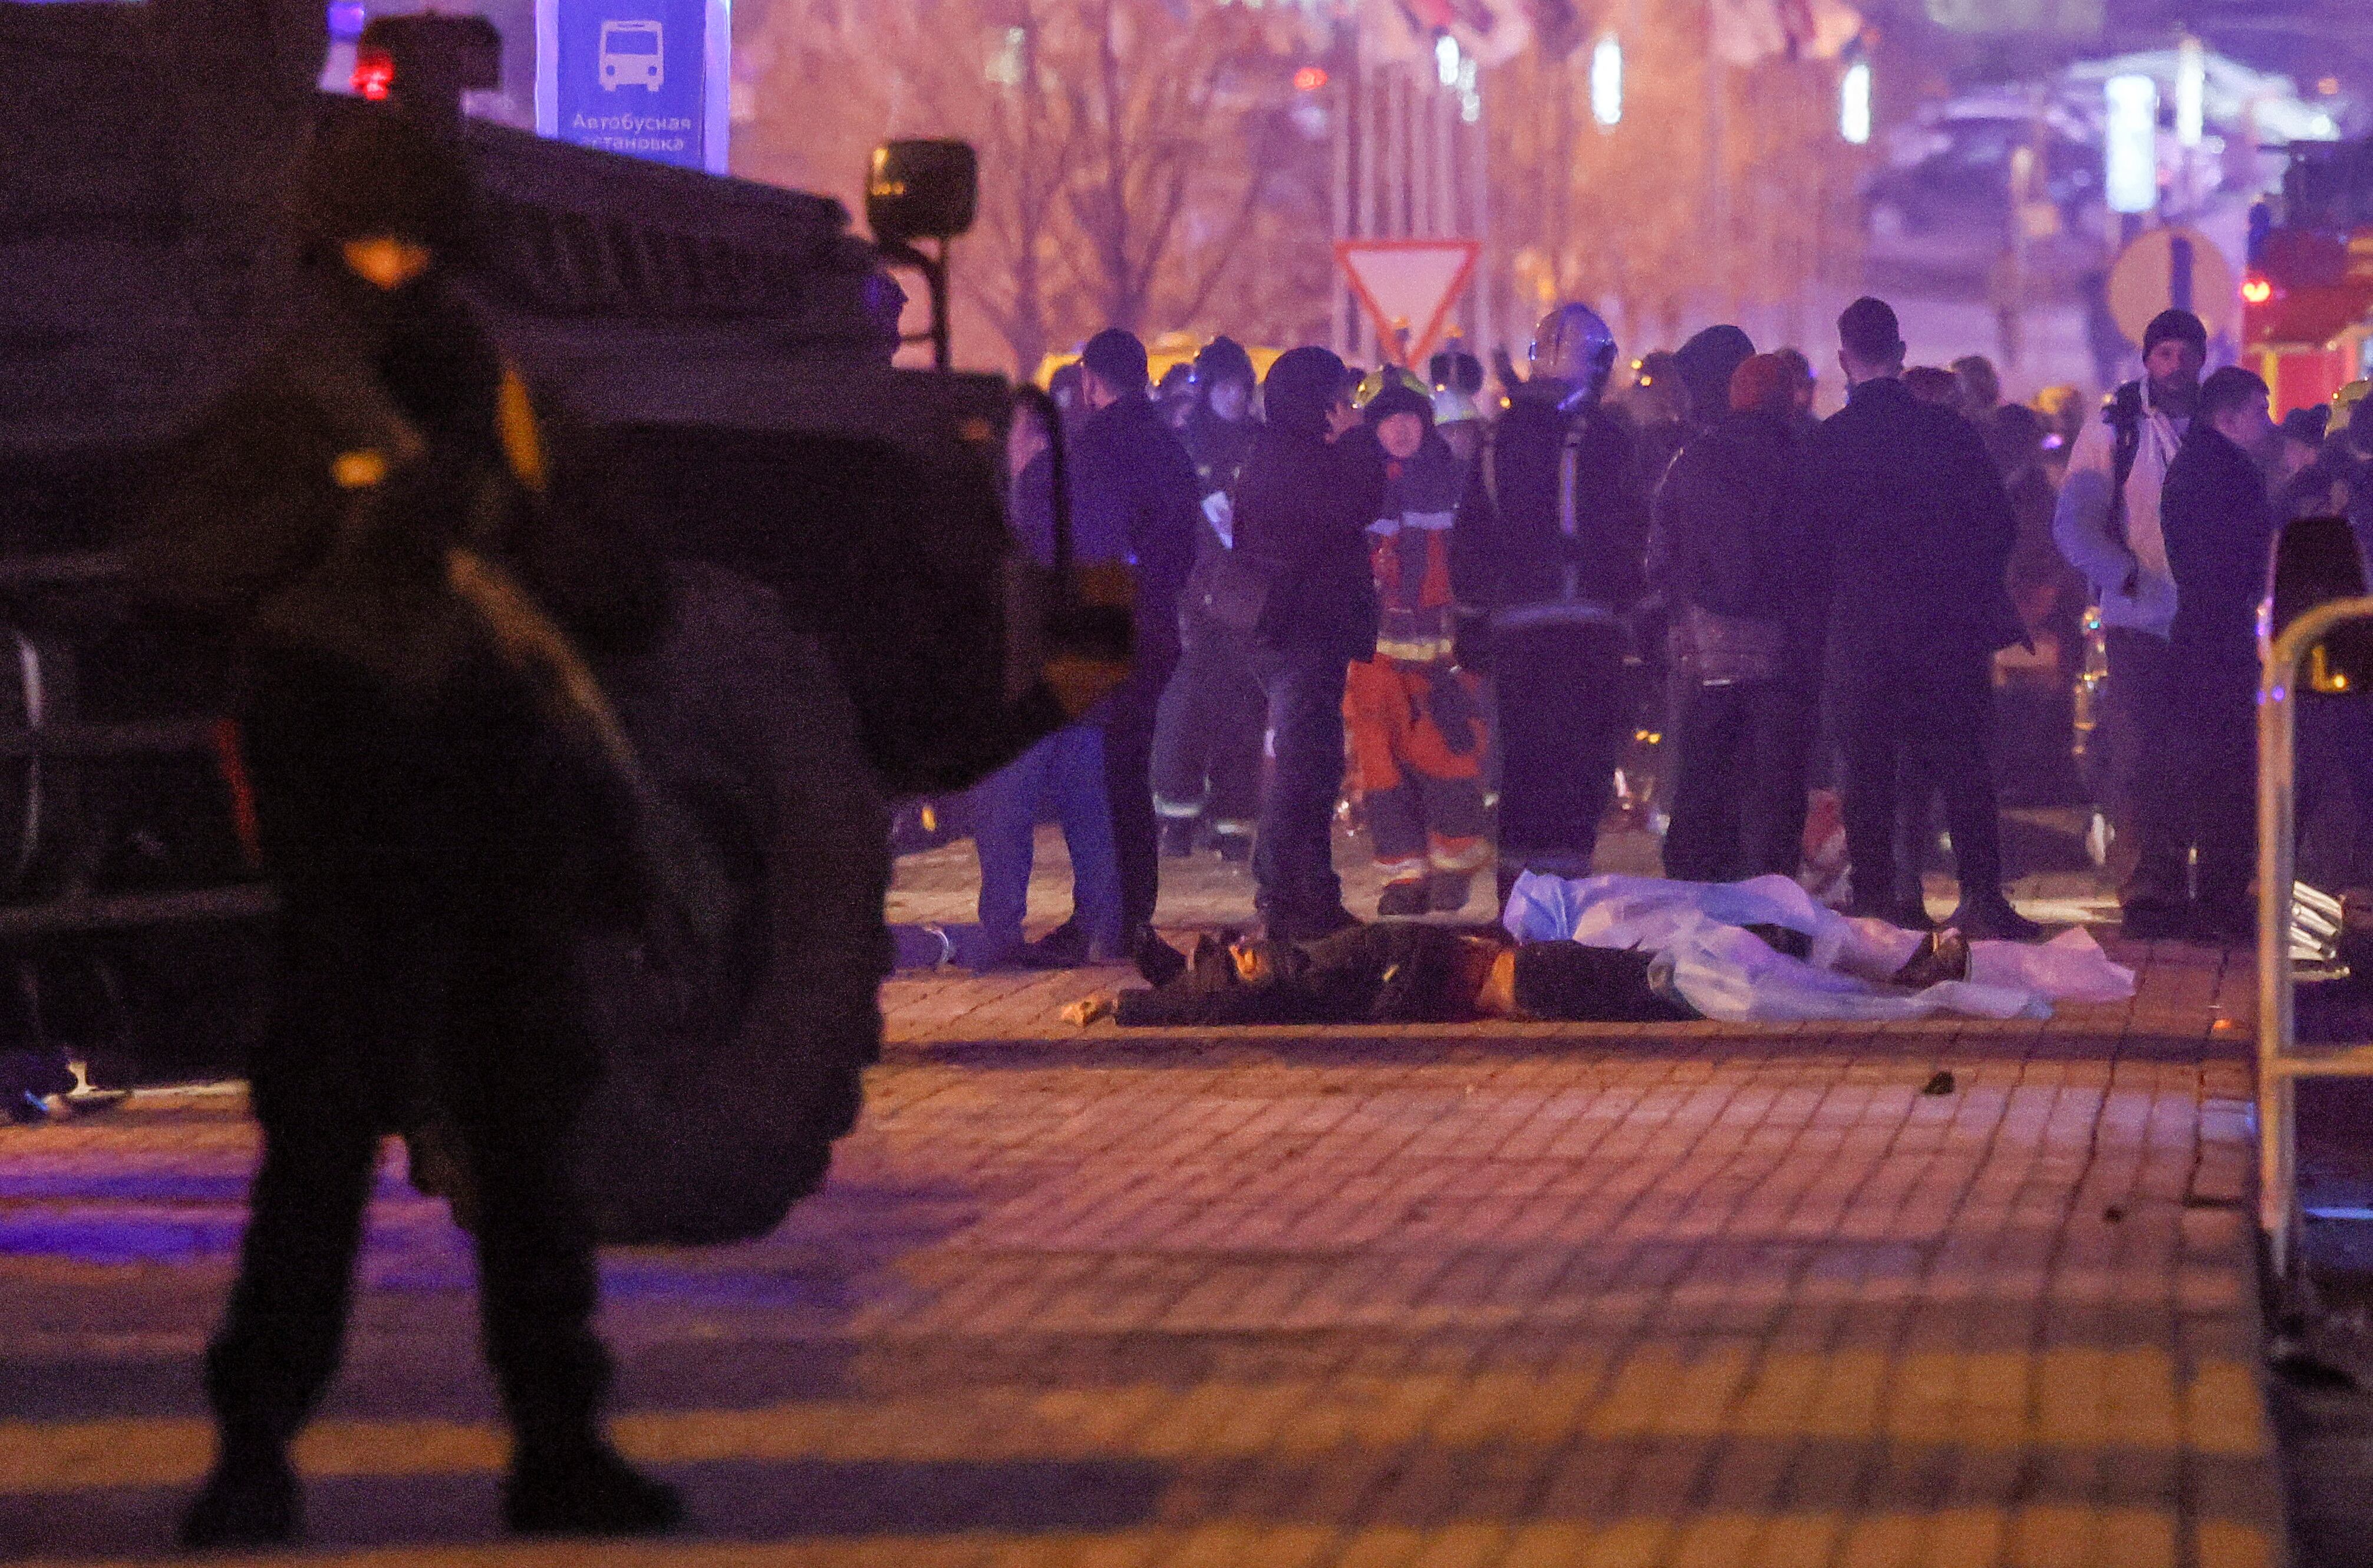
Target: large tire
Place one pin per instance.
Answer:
(730, 1071)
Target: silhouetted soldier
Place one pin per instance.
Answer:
(438, 847)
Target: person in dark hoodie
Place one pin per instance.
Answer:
(1706, 364)
(1748, 592)
(1302, 592)
(1414, 720)
(2217, 516)
(1913, 519)
(438, 848)
(1206, 733)
(1132, 481)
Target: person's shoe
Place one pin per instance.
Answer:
(1156, 961)
(1064, 947)
(2153, 921)
(1992, 920)
(251, 1501)
(1446, 892)
(1402, 899)
(1234, 848)
(585, 1491)
(1311, 927)
(1178, 838)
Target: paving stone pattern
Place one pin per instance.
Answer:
(1380, 1299)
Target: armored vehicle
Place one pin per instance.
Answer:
(857, 629)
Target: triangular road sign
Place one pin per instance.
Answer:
(1408, 286)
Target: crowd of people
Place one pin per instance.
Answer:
(1456, 609)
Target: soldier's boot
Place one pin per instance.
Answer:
(250, 1499)
(584, 1488)
(1404, 898)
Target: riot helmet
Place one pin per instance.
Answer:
(1573, 346)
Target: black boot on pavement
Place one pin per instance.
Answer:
(1992, 920)
(585, 1489)
(1156, 961)
(1178, 838)
(251, 1499)
(1402, 899)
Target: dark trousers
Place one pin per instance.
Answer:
(2139, 686)
(1925, 717)
(1294, 858)
(1564, 716)
(1740, 754)
(1208, 732)
(426, 940)
(1128, 720)
(2196, 790)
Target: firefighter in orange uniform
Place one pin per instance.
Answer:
(1416, 725)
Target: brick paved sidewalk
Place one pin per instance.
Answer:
(1380, 1299)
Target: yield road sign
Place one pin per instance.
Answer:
(1408, 286)
(2178, 268)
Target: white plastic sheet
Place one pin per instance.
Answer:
(1727, 972)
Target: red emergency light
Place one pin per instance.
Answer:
(1310, 78)
(2256, 291)
(374, 73)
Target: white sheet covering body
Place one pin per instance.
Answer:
(1729, 973)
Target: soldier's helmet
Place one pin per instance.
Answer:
(1573, 344)
(376, 168)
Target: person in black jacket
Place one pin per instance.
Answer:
(1207, 735)
(1131, 480)
(1304, 503)
(438, 848)
(1547, 557)
(2218, 518)
(1748, 593)
(1910, 512)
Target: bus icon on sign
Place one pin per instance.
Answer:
(630, 56)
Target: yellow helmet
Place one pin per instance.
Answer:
(1377, 380)
(2343, 404)
(2055, 403)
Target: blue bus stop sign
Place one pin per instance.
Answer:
(645, 77)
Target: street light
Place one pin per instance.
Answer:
(1607, 82)
(2190, 90)
(1853, 102)
(2130, 145)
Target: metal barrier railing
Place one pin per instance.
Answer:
(2281, 1064)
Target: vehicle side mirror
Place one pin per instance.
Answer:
(922, 190)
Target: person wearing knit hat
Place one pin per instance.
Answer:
(1208, 729)
(2108, 526)
(440, 853)
(1732, 556)
(1302, 595)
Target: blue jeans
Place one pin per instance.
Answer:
(1068, 765)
